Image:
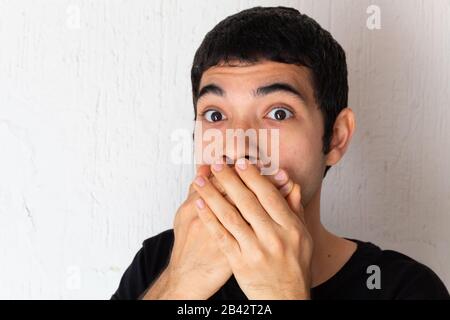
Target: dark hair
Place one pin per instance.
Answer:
(284, 35)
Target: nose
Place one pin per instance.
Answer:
(241, 142)
(230, 161)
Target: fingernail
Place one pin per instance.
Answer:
(200, 203)
(281, 175)
(217, 166)
(241, 164)
(199, 181)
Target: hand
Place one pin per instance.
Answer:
(264, 237)
(197, 267)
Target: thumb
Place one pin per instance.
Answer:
(294, 200)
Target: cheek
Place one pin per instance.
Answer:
(301, 155)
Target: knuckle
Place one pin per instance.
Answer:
(276, 245)
(217, 184)
(246, 199)
(185, 206)
(233, 218)
(222, 238)
(272, 195)
(296, 237)
(258, 257)
(299, 237)
(295, 224)
(264, 219)
(181, 215)
(230, 200)
(196, 225)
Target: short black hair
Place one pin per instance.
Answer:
(279, 34)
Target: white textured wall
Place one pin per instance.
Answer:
(90, 92)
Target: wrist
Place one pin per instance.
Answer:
(159, 289)
(168, 287)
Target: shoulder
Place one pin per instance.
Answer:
(147, 264)
(156, 250)
(402, 277)
(162, 239)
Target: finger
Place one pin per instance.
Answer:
(225, 240)
(282, 181)
(294, 200)
(217, 185)
(244, 199)
(268, 195)
(227, 214)
(205, 171)
(279, 178)
(285, 190)
(220, 188)
(202, 170)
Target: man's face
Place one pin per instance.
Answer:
(237, 105)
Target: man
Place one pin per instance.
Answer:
(244, 235)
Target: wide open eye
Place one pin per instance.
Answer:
(213, 115)
(280, 114)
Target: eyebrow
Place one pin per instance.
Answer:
(260, 92)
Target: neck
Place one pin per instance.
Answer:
(330, 251)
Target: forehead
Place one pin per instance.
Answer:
(245, 76)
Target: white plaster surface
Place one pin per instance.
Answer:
(90, 92)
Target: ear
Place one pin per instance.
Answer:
(343, 130)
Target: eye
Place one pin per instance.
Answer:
(280, 113)
(213, 115)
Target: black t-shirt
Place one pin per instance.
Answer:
(400, 277)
